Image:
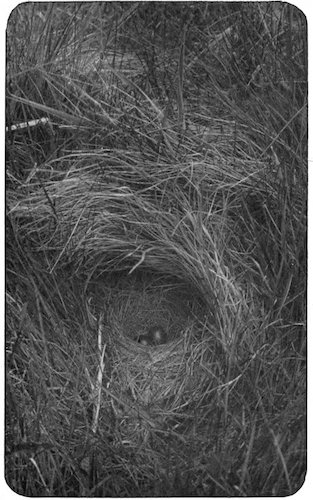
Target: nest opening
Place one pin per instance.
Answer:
(133, 304)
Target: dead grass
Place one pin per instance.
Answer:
(165, 186)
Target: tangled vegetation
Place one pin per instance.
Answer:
(156, 174)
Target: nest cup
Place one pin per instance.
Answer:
(149, 376)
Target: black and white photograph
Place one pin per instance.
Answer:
(156, 192)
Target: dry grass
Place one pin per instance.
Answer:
(163, 183)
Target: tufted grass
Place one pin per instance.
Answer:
(166, 180)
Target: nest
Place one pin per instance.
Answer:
(148, 384)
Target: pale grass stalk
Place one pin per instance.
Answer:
(98, 385)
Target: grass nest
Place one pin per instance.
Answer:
(155, 377)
